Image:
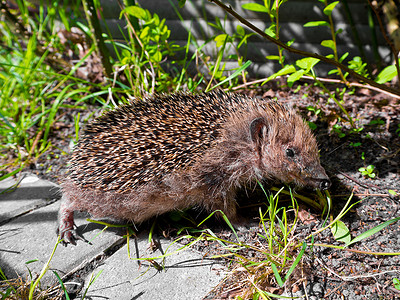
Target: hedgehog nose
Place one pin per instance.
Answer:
(324, 184)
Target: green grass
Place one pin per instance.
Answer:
(38, 84)
(31, 101)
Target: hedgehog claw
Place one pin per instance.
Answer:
(69, 237)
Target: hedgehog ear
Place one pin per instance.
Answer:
(257, 127)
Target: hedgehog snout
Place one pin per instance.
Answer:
(320, 180)
(315, 176)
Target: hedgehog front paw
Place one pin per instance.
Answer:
(69, 236)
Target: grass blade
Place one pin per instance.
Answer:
(62, 285)
(372, 231)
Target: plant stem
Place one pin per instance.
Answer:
(333, 33)
(94, 25)
(280, 51)
(44, 270)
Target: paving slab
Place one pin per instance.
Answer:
(184, 275)
(18, 197)
(27, 234)
(33, 237)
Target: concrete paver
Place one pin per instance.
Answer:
(33, 236)
(32, 192)
(185, 274)
(27, 233)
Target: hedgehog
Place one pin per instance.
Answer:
(173, 152)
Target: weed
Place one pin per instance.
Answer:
(304, 67)
(358, 66)
(141, 60)
(342, 132)
(224, 42)
(387, 74)
(34, 95)
(368, 171)
(29, 289)
(314, 109)
(396, 283)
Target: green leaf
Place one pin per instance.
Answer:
(297, 260)
(288, 69)
(372, 231)
(181, 3)
(31, 261)
(333, 71)
(340, 30)
(370, 168)
(62, 286)
(341, 232)
(289, 43)
(330, 7)
(392, 192)
(328, 44)
(64, 19)
(145, 33)
(135, 11)
(344, 56)
(240, 30)
(270, 31)
(221, 39)
(396, 283)
(255, 7)
(276, 274)
(157, 57)
(307, 63)
(312, 125)
(316, 23)
(387, 74)
(295, 76)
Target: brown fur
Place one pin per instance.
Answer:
(179, 151)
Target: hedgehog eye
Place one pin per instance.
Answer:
(289, 152)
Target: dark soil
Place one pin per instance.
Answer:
(329, 273)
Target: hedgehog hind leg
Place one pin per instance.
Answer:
(66, 231)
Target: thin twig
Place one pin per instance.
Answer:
(98, 40)
(351, 84)
(364, 185)
(362, 195)
(351, 278)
